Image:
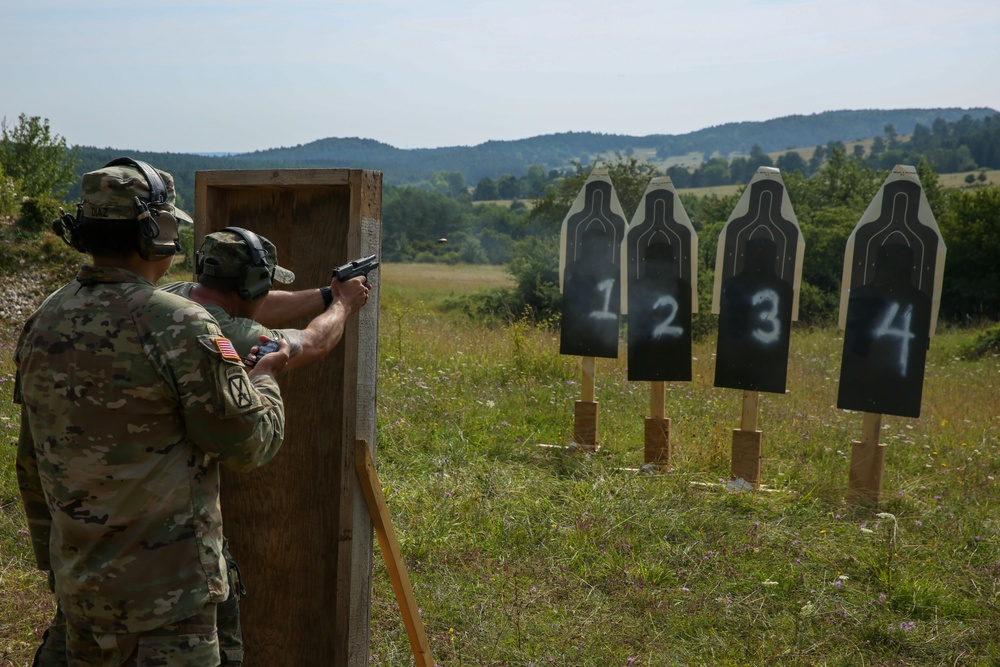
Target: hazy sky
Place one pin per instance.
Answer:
(210, 75)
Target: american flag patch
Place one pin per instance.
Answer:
(226, 348)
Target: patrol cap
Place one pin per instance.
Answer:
(228, 254)
(109, 193)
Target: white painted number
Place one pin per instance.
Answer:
(666, 329)
(769, 329)
(605, 286)
(905, 335)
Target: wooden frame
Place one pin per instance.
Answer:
(299, 527)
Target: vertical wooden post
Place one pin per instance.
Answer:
(748, 443)
(585, 412)
(589, 371)
(867, 460)
(657, 441)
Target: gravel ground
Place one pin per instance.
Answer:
(20, 294)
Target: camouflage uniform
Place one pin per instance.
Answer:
(228, 252)
(243, 331)
(131, 399)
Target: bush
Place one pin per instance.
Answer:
(186, 235)
(817, 307)
(985, 343)
(37, 214)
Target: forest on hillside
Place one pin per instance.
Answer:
(495, 159)
(829, 192)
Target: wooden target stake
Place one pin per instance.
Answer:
(585, 413)
(867, 460)
(748, 443)
(657, 441)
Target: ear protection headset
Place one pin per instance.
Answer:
(255, 277)
(153, 222)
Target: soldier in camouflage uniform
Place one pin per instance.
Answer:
(248, 313)
(131, 400)
(222, 260)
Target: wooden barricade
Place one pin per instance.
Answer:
(299, 527)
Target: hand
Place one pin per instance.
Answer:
(353, 294)
(273, 362)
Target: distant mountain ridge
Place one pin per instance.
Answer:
(402, 166)
(494, 158)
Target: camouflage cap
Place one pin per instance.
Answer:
(229, 253)
(110, 192)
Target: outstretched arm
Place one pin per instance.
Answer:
(280, 307)
(325, 330)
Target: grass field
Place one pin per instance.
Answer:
(527, 555)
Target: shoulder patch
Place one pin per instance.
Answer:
(225, 346)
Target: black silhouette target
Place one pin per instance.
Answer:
(892, 265)
(660, 266)
(759, 260)
(591, 296)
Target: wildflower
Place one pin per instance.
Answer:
(918, 523)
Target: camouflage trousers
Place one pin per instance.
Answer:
(190, 642)
(53, 651)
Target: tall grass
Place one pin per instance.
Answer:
(528, 555)
(521, 554)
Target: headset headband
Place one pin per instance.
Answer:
(157, 189)
(258, 256)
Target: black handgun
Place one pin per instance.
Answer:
(359, 267)
(267, 348)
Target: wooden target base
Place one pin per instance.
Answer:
(585, 424)
(747, 458)
(867, 461)
(657, 450)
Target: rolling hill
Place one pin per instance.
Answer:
(552, 151)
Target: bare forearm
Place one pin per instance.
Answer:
(319, 338)
(280, 307)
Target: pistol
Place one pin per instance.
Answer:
(359, 267)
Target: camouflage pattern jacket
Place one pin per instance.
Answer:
(131, 398)
(242, 331)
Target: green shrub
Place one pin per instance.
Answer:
(37, 214)
(816, 306)
(985, 343)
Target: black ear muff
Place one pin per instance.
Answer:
(67, 228)
(256, 277)
(155, 223)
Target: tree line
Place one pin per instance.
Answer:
(444, 220)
